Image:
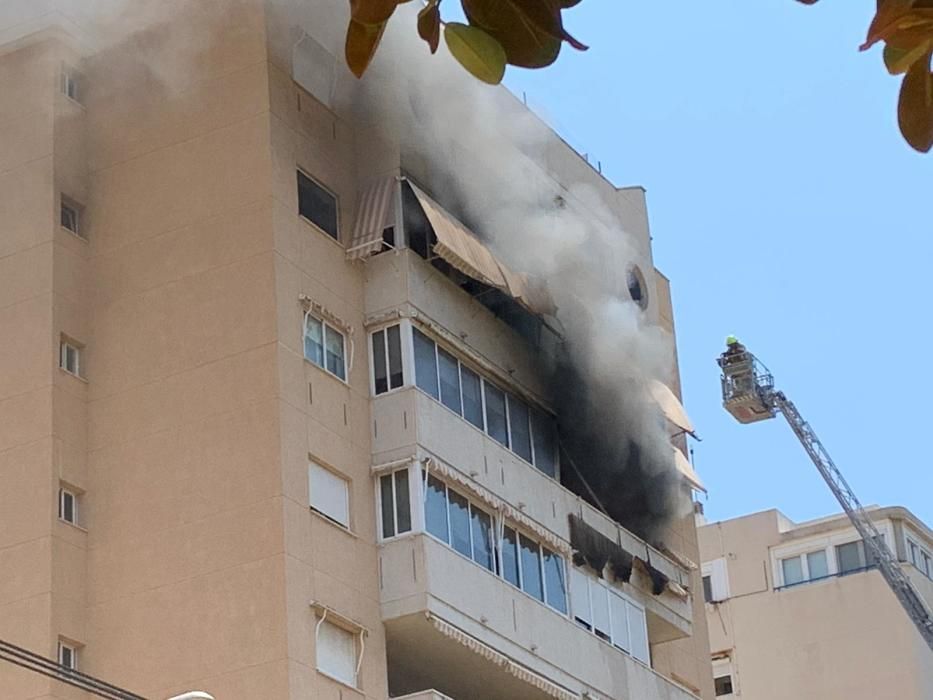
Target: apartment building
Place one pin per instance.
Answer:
(799, 609)
(273, 421)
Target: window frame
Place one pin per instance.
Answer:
(509, 397)
(348, 501)
(77, 212)
(65, 344)
(71, 76)
(64, 492)
(356, 634)
(404, 350)
(325, 327)
(335, 237)
(412, 498)
(72, 649)
(583, 575)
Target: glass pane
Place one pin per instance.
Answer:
(708, 589)
(435, 509)
(618, 610)
(531, 568)
(723, 685)
(335, 353)
(495, 414)
(472, 397)
(793, 570)
(554, 581)
(520, 428)
(402, 501)
(450, 380)
(545, 440)
(638, 633)
(459, 509)
(600, 597)
(317, 205)
(394, 339)
(425, 364)
(380, 372)
(580, 598)
(817, 564)
(847, 556)
(510, 556)
(314, 341)
(388, 514)
(482, 538)
(67, 507)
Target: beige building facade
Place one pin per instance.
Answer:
(260, 431)
(796, 610)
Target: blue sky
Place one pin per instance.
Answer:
(786, 209)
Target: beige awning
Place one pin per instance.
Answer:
(463, 250)
(670, 405)
(376, 212)
(687, 470)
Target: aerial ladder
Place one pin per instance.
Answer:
(748, 393)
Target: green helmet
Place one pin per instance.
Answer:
(732, 340)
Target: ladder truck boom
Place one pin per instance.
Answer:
(748, 394)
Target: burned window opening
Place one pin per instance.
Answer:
(422, 239)
(595, 550)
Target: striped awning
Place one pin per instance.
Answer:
(463, 250)
(670, 405)
(522, 673)
(375, 213)
(687, 471)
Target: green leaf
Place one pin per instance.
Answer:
(477, 51)
(915, 106)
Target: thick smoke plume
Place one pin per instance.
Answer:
(487, 157)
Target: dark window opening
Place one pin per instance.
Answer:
(708, 589)
(636, 287)
(723, 685)
(317, 205)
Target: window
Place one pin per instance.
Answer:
(68, 505)
(817, 565)
(336, 652)
(722, 685)
(718, 580)
(520, 428)
(395, 498)
(317, 205)
(387, 360)
(544, 437)
(927, 567)
(610, 615)
(70, 217)
(637, 288)
(449, 374)
(708, 589)
(425, 364)
(849, 557)
(792, 570)
(325, 347)
(529, 433)
(467, 528)
(496, 424)
(67, 655)
(329, 494)
(70, 84)
(70, 357)
(472, 387)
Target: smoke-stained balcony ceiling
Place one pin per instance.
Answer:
(689, 473)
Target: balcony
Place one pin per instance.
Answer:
(410, 423)
(453, 626)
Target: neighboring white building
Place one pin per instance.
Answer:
(797, 610)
